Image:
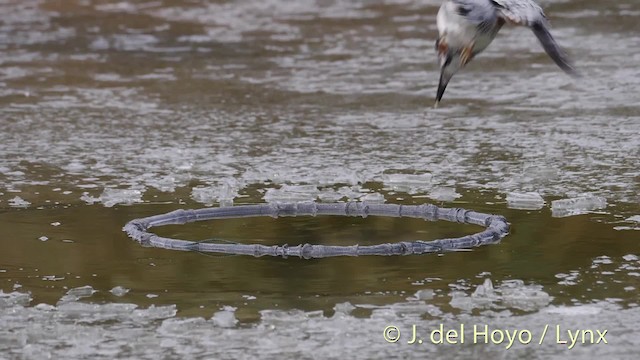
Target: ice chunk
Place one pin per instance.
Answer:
(409, 183)
(224, 193)
(18, 202)
(630, 257)
(119, 291)
(579, 310)
(424, 294)
(155, 312)
(292, 193)
(82, 291)
(344, 308)
(164, 184)
(510, 294)
(225, 318)
(14, 298)
(76, 294)
(330, 195)
(444, 194)
(111, 197)
(635, 218)
(74, 167)
(373, 198)
(577, 205)
(525, 201)
(515, 294)
(89, 199)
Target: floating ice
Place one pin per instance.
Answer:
(330, 195)
(164, 184)
(119, 291)
(541, 174)
(156, 312)
(525, 201)
(630, 257)
(224, 193)
(515, 294)
(43, 238)
(111, 197)
(577, 206)
(76, 294)
(74, 167)
(373, 198)
(344, 308)
(510, 294)
(225, 318)
(409, 183)
(635, 218)
(580, 310)
(89, 199)
(604, 259)
(82, 291)
(444, 194)
(292, 193)
(18, 202)
(14, 298)
(424, 294)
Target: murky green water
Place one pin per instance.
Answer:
(111, 111)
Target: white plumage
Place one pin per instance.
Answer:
(467, 27)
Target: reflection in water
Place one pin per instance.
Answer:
(111, 111)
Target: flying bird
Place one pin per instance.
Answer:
(466, 27)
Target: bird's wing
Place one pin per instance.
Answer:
(528, 13)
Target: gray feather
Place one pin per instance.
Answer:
(530, 14)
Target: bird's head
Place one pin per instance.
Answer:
(450, 63)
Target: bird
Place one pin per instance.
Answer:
(467, 27)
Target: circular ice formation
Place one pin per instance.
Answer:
(496, 228)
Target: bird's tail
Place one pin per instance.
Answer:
(541, 30)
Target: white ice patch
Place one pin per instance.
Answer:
(18, 202)
(119, 291)
(580, 310)
(225, 318)
(525, 201)
(76, 294)
(577, 205)
(409, 183)
(292, 193)
(444, 194)
(14, 298)
(634, 220)
(164, 184)
(223, 193)
(111, 197)
(510, 294)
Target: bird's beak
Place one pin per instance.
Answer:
(442, 85)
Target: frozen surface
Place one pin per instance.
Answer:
(124, 330)
(328, 94)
